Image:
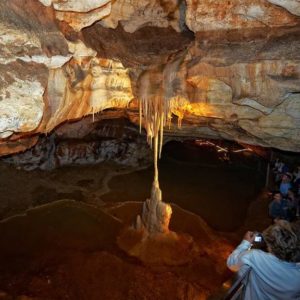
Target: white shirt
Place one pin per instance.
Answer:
(270, 277)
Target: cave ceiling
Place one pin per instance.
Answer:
(231, 69)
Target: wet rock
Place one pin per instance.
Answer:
(96, 142)
(238, 72)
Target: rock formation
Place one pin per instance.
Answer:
(134, 15)
(156, 214)
(236, 15)
(79, 14)
(107, 138)
(237, 77)
(291, 5)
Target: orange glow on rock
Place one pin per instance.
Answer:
(203, 110)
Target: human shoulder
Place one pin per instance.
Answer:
(256, 256)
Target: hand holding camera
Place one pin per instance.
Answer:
(256, 239)
(249, 236)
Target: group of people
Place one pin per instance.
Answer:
(285, 203)
(273, 263)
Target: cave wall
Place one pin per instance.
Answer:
(231, 68)
(109, 138)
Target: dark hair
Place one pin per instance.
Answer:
(283, 241)
(296, 228)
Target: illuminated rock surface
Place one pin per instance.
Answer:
(151, 240)
(293, 6)
(79, 14)
(86, 86)
(237, 78)
(133, 15)
(198, 69)
(156, 215)
(240, 14)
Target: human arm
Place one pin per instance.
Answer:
(234, 261)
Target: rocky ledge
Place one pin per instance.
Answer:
(231, 69)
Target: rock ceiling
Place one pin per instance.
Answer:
(233, 67)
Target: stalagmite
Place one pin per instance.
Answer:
(156, 214)
(150, 240)
(158, 92)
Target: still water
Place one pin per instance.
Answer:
(200, 181)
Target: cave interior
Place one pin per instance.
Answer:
(137, 141)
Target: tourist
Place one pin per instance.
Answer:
(285, 184)
(279, 169)
(292, 203)
(297, 189)
(274, 274)
(278, 208)
(296, 174)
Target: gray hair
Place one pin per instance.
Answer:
(283, 241)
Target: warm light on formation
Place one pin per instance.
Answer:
(219, 148)
(212, 86)
(160, 95)
(203, 109)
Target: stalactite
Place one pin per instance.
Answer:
(160, 94)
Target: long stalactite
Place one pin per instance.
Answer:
(159, 93)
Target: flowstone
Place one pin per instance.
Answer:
(170, 248)
(151, 240)
(156, 214)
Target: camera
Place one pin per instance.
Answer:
(258, 238)
(259, 242)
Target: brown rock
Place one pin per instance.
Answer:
(136, 14)
(240, 14)
(239, 80)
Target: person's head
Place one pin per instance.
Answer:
(286, 177)
(282, 241)
(290, 193)
(277, 196)
(296, 228)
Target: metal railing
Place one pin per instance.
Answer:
(237, 290)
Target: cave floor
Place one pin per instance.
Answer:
(67, 250)
(60, 250)
(20, 190)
